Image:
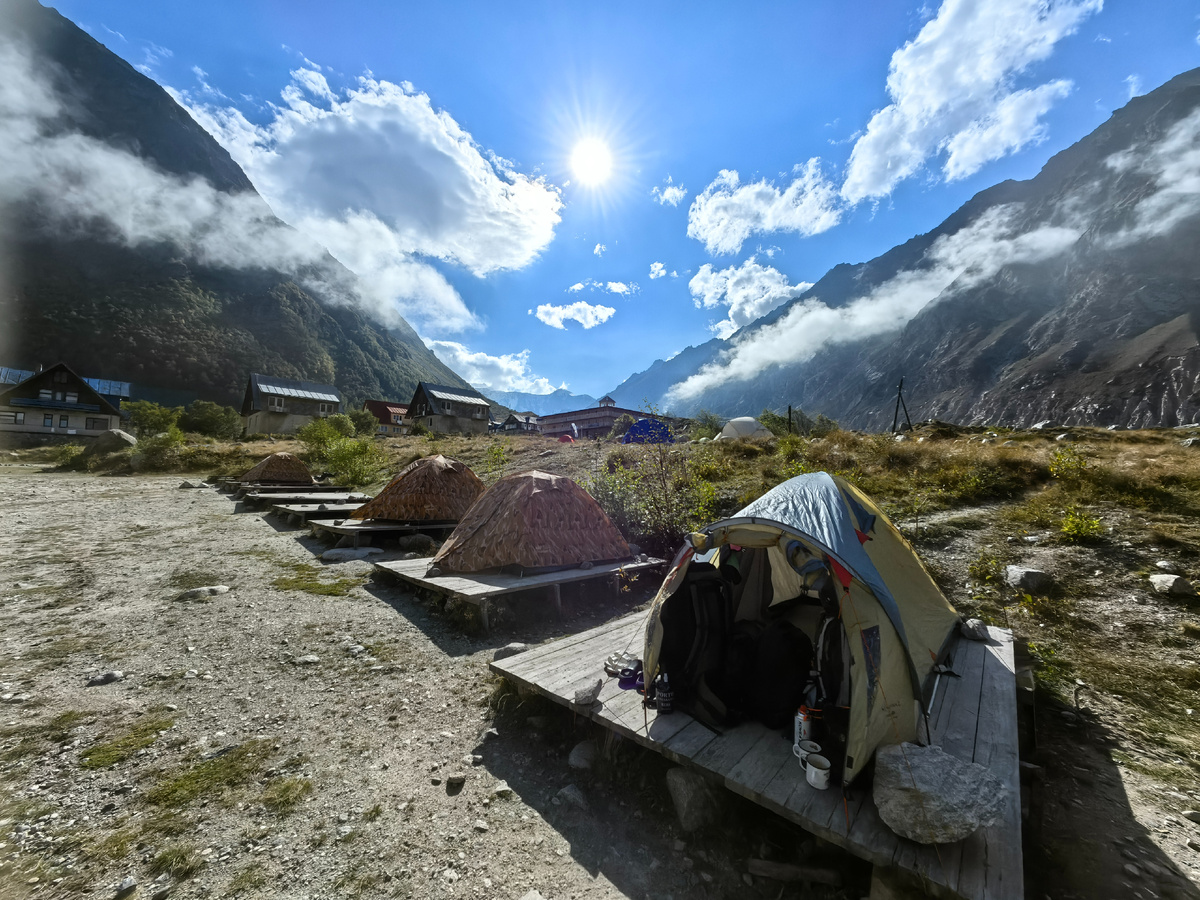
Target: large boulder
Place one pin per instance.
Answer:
(1175, 585)
(697, 803)
(113, 440)
(1031, 581)
(931, 797)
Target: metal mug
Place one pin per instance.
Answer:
(803, 749)
(816, 769)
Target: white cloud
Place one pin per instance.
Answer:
(952, 91)
(670, 195)
(1135, 86)
(657, 270)
(749, 292)
(509, 372)
(1172, 164)
(576, 287)
(387, 182)
(727, 212)
(622, 288)
(585, 314)
(599, 249)
(957, 261)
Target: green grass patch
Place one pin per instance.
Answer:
(373, 813)
(210, 777)
(248, 879)
(307, 578)
(120, 749)
(283, 795)
(181, 861)
(115, 845)
(37, 738)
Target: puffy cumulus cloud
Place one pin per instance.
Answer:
(1172, 164)
(953, 263)
(388, 183)
(748, 291)
(657, 270)
(576, 287)
(624, 288)
(508, 372)
(670, 194)
(585, 314)
(953, 91)
(727, 212)
(599, 249)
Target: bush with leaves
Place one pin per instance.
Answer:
(1080, 528)
(355, 462)
(495, 458)
(364, 421)
(147, 418)
(342, 424)
(705, 424)
(621, 426)
(211, 420)
(822, 426)
(161, 451)
(318, 436)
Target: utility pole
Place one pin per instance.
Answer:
(900, 404)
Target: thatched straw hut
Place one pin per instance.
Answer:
(532, 520)
(279, 468)
(433, 489)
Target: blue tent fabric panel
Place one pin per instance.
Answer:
(648, 431)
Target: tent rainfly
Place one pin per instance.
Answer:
(432, 489)
(279, 468)
(530, 521)
(813, 569)
(742, 427)
(648, 431)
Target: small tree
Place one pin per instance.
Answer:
(775, 423)
(706, 425)
(364, 421)
(621, 426)
(822, 426)
(342, 424)
(211, 419)
(147, 418)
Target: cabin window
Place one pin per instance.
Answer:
(72, 397)
(446, 408)
(47, 421)
(96, 424)
(62, 421)
(10, 418)
(324, 409)
(275, 404)
(45, 394)
(60, 377)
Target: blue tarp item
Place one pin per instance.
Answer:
(648, 431)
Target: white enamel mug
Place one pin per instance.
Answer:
(816, 768)
(804, 749)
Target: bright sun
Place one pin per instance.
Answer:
(591, 161)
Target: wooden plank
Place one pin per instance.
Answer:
(762, 762)
(720, 757)
(688, 741)
(306, 511)
(543, 660)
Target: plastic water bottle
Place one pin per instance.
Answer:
(664, 696)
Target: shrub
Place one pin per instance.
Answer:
(161, 451)
(775, 423)
(364, 421)
(495, 458)
(705, 425)
(318, 436)
(1067, 464)
(822, 426)
(66, 455)
(418, 430)
(211, 419)
(354, 461)
(622, 425)
(1079, 527)
(342, 424)
(147, 418)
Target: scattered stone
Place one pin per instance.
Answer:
(106, 678)
(501, 789)
(583, 755)
(545, 453)
(572, 796)
(456, 780)
(1175, 585)
(345, 554)
(1167, 566)
(417, 543)
(900, 438)
(480, 825)
(974, 629)
(697, 804)
(1194, 844)
(533, 895)
(201, 593)
(162, 893)
(509, 650)
(1192, 815)
(588, 696)
(191, 486)
(310, 660)
(435, 781)
(128, 883)
(1023, 578)
(931, 797)
(1064, 437)
(1009, 444)
(434, 572)
(491, 734)
(1190, 442)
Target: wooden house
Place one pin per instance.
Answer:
(56, 401)
(393, 417)
(450, 410)
(285, 405)
(595, 422)
(518, 423)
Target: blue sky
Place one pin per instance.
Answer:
(429, 146)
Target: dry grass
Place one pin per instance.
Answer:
(121, 748)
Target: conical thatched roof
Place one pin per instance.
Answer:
(434, 489)
(532, 520)
(282, 468)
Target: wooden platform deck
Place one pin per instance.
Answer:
(254, 498)
(358, 529)
(480, 589)
(974, 718)
(299, 513)
(274, 487)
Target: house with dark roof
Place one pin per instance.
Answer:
(520, 422)
(450, 410)
(595, 422)
(393, 417)
(56, 401)
(285, 405)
